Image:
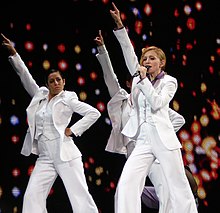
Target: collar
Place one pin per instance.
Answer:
(61, 94)
(159, 76)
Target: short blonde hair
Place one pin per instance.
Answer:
(159, 52)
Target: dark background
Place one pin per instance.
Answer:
(192, 57)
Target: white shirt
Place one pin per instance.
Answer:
(44, 121)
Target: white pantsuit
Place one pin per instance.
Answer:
(57, 153)
(149, 125)
(119, 108)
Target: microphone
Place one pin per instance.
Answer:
(138, 72)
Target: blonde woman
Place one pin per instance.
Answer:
(149, 125)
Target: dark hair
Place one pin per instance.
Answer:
(48, 72)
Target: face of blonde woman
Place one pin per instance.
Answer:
(55, 83)
(151, 59)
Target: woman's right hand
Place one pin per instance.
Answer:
(6, 43)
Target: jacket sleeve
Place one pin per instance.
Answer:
(89, 116)
(26, 78)
(177, 120)
(160, 99)
(130, 57)
(110, 77)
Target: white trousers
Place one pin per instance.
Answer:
(48, 166)
(137, 167)
(151, 194)
(161, 188)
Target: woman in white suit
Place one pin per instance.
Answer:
(119, 107)
(149, 125)
(48, 116)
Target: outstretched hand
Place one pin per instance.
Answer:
(6, 43)
(116, 16)
(99, 39)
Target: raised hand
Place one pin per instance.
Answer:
(99, 39)
(6, 43)
(116, 16)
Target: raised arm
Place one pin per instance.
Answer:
(121, 34)
(110, 77)
(6, 43)
(20, 68)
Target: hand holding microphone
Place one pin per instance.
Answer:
(142, 72)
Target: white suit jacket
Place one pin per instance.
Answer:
(62, 111)
(119, 107)
(158, 96)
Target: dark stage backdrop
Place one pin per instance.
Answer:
(50, 34)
